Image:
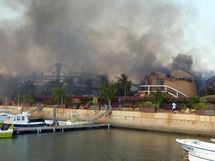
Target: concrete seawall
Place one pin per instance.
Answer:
(180, 123)
(168, 122)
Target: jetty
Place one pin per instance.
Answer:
(76, 121)
(60, 128)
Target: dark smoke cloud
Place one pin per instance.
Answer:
(132, 37)
(9, 86)
(183, 62)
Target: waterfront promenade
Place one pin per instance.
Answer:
(165, 121)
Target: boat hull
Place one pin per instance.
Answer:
(200, 157)
(6, 130)
(65, 123)
(42, 124)
(197, 146)
(6, 134)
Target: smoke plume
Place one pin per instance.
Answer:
(113, 37)
(183, 62)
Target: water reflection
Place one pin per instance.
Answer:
(93, 145)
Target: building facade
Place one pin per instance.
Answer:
(178, 84)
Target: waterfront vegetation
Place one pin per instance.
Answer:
(59, 95)
(157, 99)
(116, 93)
(108, 92)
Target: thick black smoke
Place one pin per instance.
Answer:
(113, 37)
(9, 87)
(183, 62)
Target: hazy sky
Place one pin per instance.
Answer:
(106, 36)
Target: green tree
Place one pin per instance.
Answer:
(192, 101)
(49, 86)
(123, 86)
(157, 99)
(27, 90)
(108, 91)
(202, 104)
(59, 94)
(196, 102)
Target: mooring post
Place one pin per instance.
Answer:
(108, 127)
(38, 130)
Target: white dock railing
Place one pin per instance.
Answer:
(163, 88)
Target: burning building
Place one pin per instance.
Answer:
(76, 83)
(178, 84)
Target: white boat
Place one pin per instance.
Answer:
(22, 120)
(193, 156)
(66, 123)
(197, 146)
(3, 116)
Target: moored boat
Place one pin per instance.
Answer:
(22, 120)
(193, 156)
(197, 146)
(66, 123)
(6, 130)
(3, 116)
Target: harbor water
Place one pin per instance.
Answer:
(93, 145)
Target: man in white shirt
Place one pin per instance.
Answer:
(173, 107)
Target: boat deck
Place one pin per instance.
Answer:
(59, 128)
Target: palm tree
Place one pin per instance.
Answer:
(108, 91)
(49, 86)
(59, 94)
(193, 101)
(123, 85)
(157, 99)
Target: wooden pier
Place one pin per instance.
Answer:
(59, 128)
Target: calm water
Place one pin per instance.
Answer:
(93, 145)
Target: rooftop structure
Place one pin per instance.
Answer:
(178, 84)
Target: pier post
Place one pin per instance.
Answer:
(38, 130)
(108, 127)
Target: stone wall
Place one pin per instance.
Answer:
(47, 112)
(182, 123)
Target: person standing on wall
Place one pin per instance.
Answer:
(173, 107)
